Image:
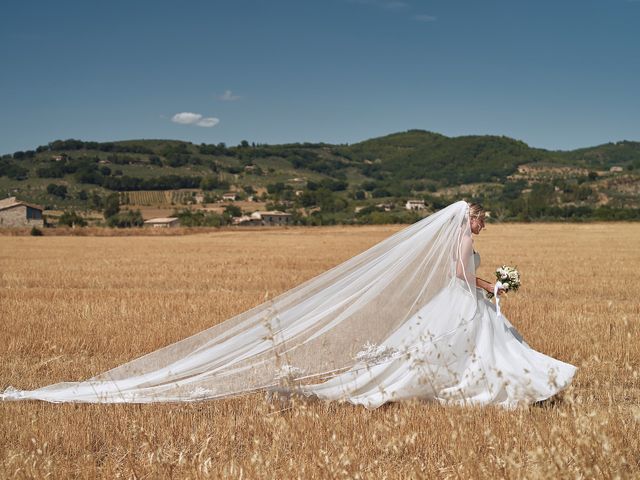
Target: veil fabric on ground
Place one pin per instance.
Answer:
(400, 320)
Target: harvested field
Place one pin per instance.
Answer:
(74, 306)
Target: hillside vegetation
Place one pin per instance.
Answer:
(366, 182)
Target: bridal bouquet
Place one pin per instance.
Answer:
(508, 278)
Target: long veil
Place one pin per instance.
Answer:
(307, 335)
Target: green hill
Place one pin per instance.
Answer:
(324, 183)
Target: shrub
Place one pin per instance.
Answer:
(189, 218)
(112, 205)
(72, 219)
(132, 218)
(57, 190)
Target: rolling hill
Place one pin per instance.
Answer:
(324, 183)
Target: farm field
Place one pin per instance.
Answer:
(72, 307)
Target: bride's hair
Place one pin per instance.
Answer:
(476, 210)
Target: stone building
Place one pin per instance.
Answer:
(15, 213)
(267, 219)
(162, 222)
(274, 217)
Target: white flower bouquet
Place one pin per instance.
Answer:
(508, 279)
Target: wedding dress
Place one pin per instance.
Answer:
(480, 359)
(402, 320)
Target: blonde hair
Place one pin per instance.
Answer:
(476, 210)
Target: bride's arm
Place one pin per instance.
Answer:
(465, 254)
(462, 271)
(485, 285)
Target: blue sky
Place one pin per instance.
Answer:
(557, 74)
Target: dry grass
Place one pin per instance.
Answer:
(71, 307)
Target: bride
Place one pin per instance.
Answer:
(406, 319)
(475, 357)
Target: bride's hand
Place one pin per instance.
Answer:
(492, 288)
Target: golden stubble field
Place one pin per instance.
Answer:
(72, 307)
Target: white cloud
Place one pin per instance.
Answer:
(186, 118)
(208, 122)
(189, 118)
(228, 96)
(425, 18)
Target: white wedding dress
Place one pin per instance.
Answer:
(481, 359)
(402, 320)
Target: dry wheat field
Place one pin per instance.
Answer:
(72, 307)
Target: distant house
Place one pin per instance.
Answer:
(15, 213)
(162, 222)
(246, 221)
(272, 218)
(387, 207)
(415, 205)
(230, 196)
(616, 169)
(199, 198)
(59, 158)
